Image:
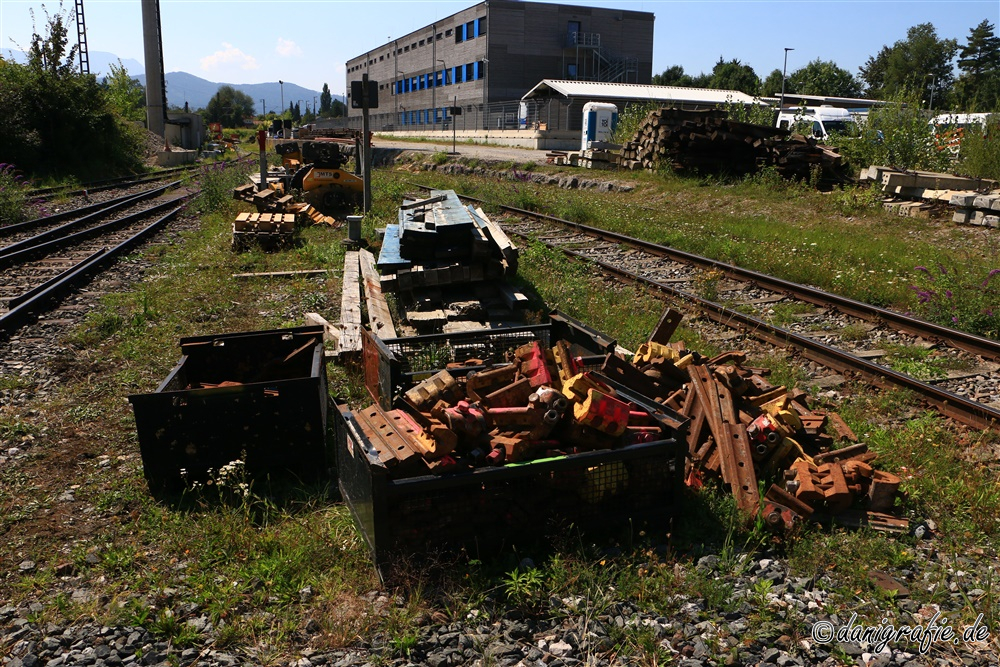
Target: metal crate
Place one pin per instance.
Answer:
(487, 509)
(482, 510)
(274, 419)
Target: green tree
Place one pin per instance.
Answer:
(734, 75)
(978, 87)
(921, 60)
(772, 84)
(125, 95)
(823, 77)
(229, 107)
(325, 101)
(58, 121)
(672, 76)
(296, 113)
(338, 109)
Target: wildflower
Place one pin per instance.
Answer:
(944, 271)
(922, 268)
(947, 293)
(954, 318)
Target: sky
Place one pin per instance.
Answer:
(307, 42)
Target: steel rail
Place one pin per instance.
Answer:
(26, 254)
(8, 230)
(36, 300)
(948, 403)
(63, 231)
(108, 183)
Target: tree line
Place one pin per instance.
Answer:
(233, 108)
(922, 63)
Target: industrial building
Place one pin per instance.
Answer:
(496, 51)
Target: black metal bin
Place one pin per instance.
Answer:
(606, 491)
(273, 411)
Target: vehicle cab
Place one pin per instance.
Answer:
(818, 122)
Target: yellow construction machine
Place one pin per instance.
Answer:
(316, 169)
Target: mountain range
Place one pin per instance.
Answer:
(196, 92)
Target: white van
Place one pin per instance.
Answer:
(949, 129)
(818, 122)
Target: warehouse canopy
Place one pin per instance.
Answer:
(597, 90)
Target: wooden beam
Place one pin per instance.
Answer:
(281, 274)
(350, 306)
(379, 316)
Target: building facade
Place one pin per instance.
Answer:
(496, 51)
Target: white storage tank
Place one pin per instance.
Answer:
(599, 121)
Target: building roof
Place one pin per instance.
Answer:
(792, 99)
(636, 91)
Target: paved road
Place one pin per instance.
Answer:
(491, 152)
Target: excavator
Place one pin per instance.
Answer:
(316, 169)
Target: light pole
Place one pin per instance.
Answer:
(781, 104)
(281, 84)
(444, 82)
(933, 78)
(263, 107)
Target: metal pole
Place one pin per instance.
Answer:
(454, 126)
(365, 145)
(262, 143)
(444, 82)
(781, 104)
(281, 84)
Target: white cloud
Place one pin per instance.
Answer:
(229, 55)
(286, 48)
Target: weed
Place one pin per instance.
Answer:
(706, 284)
(217, 183)
(956, 296)
(523, 588)
(439, 158)
(13, 195)
(854, 332)
(857, 199)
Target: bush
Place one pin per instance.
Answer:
(13, 195)
(956, 298)
(895, 134)
(217, 183)
(630, 120)
(980, 152)
(56, 121)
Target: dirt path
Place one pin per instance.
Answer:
(479, 151)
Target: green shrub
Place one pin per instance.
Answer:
(980, 153)
(857, 199)
(757, 113)
(895, 134)
(13, 195)
(955, 297)
(630, 120)
(217, 183)
(439, 158)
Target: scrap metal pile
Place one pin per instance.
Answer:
(549, 401)
(543, 403)
(707, 141)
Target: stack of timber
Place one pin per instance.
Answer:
(273, 200)
(705, 141)
(918, 194)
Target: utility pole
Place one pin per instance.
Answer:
(263, 107)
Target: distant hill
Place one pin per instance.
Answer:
(183, 87)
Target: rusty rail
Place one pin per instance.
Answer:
(971, 413)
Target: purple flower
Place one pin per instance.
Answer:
(943, 270)
(922, 268)
(947, 293)
(954, 319)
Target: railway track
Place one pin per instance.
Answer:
(40, 269)
(842, 334)
(46, 194)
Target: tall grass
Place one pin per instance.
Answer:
(13, 195)
(217, 183)
(980, 154)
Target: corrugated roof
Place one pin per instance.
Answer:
(638, 91)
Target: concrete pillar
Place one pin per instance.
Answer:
(153, 54)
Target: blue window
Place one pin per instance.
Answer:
(413, 83)
(481, 27)
(470, 29)
(480, 67)
(470, 72)
(460, 34)
(457, 76)
(423, 81)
